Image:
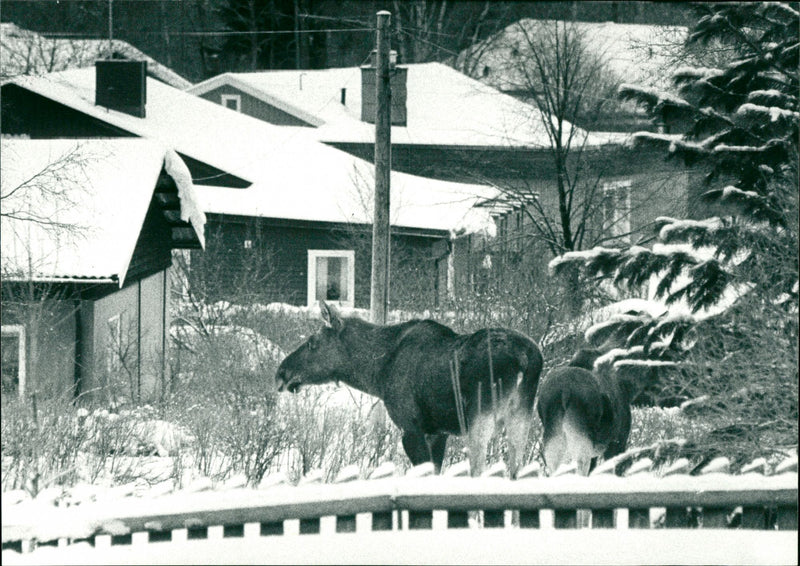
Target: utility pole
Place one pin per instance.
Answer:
(110, 28)
(379, 297)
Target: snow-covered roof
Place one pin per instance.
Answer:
(73, 209)
(444, 107)
(24, 52)
(635, 53)
(292, 176)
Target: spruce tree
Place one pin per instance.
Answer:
(743, 137)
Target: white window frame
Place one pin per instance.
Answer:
(350, 255)
(18, 330)
(618, 223)
(237, 98)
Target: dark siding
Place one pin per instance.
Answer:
(256, 108)
(276, 268)
(25, 112)
(153, 248)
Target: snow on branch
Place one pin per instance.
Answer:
(695, 230)
(610, 357)
(686, 74)
(773, 150)
(643, 363)
(602, 331)
(775, 113)
(772, 97)
(582, 256)
(655, 101)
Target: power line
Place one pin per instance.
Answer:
(78, 35)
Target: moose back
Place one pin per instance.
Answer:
(433, 381)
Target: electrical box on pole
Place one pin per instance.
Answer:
(379, 296)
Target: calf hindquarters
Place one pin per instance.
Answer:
(579, 417)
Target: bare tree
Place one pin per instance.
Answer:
(31, 209)
(568, 83)
(435, 30)
(28, 53)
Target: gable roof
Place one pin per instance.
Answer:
(292, 177)
(73, 209)
(444, 107)
(24, 52)
(634, 53)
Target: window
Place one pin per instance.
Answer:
(232, 101)
(331, 276)
(617, 208)
(248, 244)
(12, 372)
(115, 347)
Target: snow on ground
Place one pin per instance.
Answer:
(545, 546)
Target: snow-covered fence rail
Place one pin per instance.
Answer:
(714, 512)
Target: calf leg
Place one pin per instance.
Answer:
(554, 446)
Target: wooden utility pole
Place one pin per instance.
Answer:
(379, 297)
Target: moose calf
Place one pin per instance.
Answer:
(586, 412)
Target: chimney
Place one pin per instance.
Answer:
(121, 85)
(398, 78)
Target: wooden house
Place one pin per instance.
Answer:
(297, 208)
(447, 125)
(88, 227)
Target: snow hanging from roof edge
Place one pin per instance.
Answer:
(190, 208)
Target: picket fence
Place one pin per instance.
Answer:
(644, 516)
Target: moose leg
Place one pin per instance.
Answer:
(416, 446)
(517, 428)
(480, 432)
(437, 444)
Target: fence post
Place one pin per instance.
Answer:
(420, 519)
(716, 517)
(639, 518)
(458, 519)
(494, 518)
(347, 523)
(787, 515)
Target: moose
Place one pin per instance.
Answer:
(433, 381)
(586, 410)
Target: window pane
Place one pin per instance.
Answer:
(334, 290)
(10, 364)
(322, 279)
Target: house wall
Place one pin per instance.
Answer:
(154, 322)
(275, 268)
(55, 350)
(254, 107)
(132, 367)
(517, 249)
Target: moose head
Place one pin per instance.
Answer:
(320, 359)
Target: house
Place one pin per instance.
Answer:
(449, 126)
(273, 197)
(627, 53)
(88, 227)
(445, 125)
(24, 52)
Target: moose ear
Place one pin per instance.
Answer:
(330, 315)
